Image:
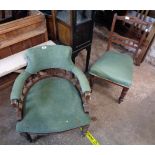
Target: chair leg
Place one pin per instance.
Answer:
(91, 80)
(123, 93)
(88, 49)
(84, 130)
(27, 136)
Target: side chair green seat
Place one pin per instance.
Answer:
(114, 66)
(47, 96)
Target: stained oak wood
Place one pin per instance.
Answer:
(76, 35)
(139, 44)
(13, 63)
(146, 46)
(51, 24)
(64, 34)
(19, 34)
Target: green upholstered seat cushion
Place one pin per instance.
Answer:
(114, 66)
(56, 56)
(52, 105)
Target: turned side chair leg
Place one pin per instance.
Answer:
(91, 80)
(123, 93)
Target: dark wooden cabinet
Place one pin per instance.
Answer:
(72, 28)
(75, 28)
(50, 24)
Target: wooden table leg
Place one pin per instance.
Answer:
(91, 80)
(73, 58)
(88, 57)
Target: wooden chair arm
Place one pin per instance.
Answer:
(14, 103)
(45, 74)
(86, 98)
(18, 106)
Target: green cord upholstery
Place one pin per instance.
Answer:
(18, 85)
(45, 57)
(82, 79)
(115, 67)
(57, 56)
(52, 104)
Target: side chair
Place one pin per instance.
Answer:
(116, 67)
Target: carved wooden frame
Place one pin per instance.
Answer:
(126, 41)
(124, 89)
(53, 72)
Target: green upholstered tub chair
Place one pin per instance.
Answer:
(51, 94)
(116, 67)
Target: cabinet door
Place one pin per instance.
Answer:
(83, 35)
(82, 29)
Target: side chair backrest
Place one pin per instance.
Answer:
(126, 41)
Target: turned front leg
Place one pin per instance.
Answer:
(91, 81)
(86, 99)
(18, 106)
(87, 58)
(84, 130)
(123, 93)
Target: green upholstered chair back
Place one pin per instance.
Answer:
(50, 104)
(45, 57)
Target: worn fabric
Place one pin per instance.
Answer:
(52, 105)
(114, 66)
(45, 57)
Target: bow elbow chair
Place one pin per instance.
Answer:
(51, 94)
(116, 67)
